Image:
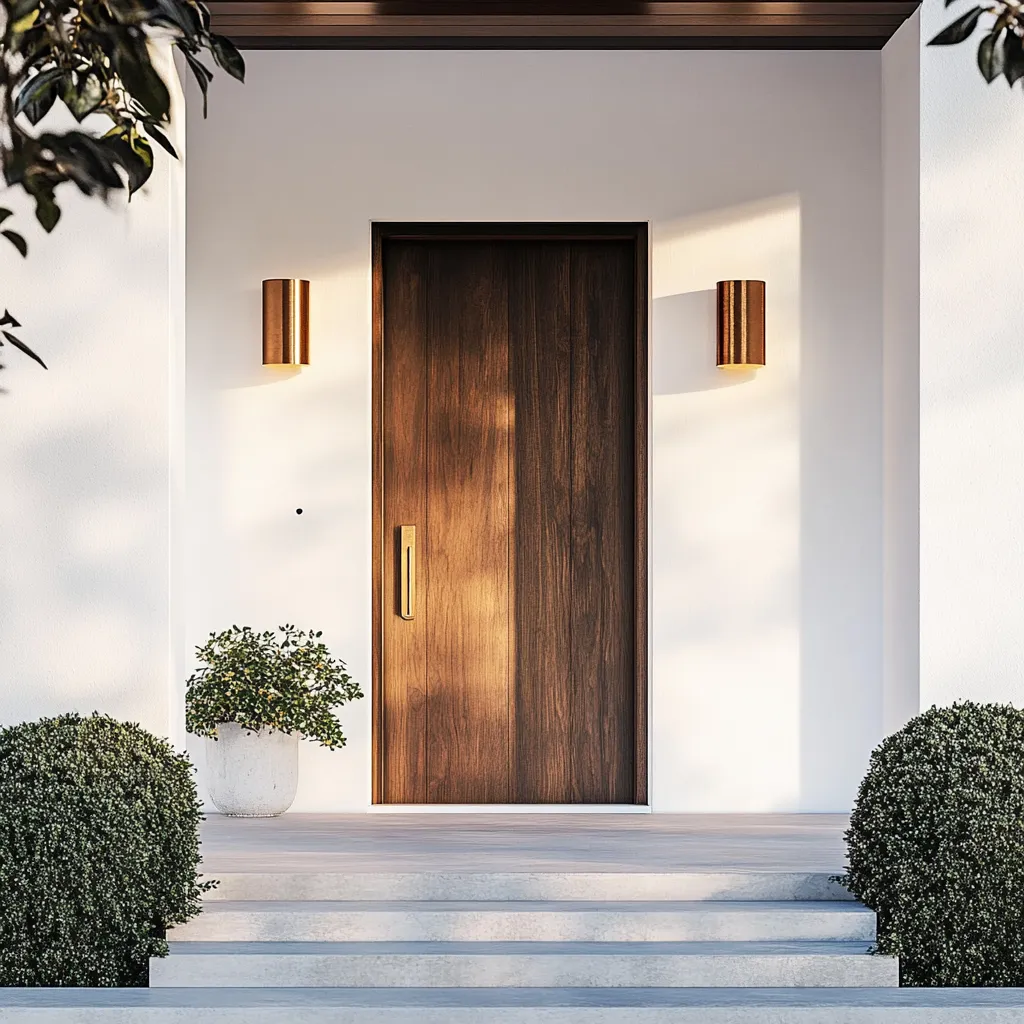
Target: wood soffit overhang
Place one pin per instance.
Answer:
(566, 24)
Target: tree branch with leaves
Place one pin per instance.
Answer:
(94, 57)
(1001, 46)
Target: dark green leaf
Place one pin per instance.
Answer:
(158, 136)
(22, 347)
(82, 99)
(41, 105)
(37, 95)
(959, 30)
(182, 16)
(133, 155)
(5, 213)
(17, 241)
(140, 170)
(1013, 58)
(141, 81)
(990, 57)
(47, 210)
(202, 75)
(227, 56)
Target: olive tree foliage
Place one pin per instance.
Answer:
(93, 57)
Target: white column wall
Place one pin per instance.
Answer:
(87, 452)
(972, 379)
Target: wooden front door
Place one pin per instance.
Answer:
(510, 488)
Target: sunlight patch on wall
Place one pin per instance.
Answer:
(727, 591)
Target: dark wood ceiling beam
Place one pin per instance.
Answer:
(566, 24)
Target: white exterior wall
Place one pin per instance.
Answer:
(767, 513)
(86, 449)
(972, 379)
(785, 507)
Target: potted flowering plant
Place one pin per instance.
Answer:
(254, 696)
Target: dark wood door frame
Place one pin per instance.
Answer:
(637, 233)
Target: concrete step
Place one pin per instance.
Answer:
(511, 1006)
(522, 964)
(559, 886)
(422, 921)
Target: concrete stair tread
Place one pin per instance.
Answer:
(535, 906)
(309, 869)
(510, 997)
(571, 885)
(528, 920)
(740, 948)
(526, 964)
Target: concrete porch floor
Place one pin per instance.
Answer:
(425, 842)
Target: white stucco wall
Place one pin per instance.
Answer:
(785, 509)
(86, 595)
(767, 541)
(972, 380)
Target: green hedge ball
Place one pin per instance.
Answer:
(936, 846)
(99, 851)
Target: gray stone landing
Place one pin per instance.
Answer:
(511, 1006)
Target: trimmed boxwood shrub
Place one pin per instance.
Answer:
(99, 846)
(936, 846)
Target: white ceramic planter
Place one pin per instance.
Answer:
(252, 774)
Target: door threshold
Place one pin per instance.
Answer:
(510, 809)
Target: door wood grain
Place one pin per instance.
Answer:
(404, 688)
(467, 530)
(510, 371)
(602, 541)
(541, 373)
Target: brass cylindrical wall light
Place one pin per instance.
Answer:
(741, 323)
(285, 323)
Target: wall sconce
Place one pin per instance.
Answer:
(285, 323)
(741, 323)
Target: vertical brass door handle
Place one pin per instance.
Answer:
(407, 554)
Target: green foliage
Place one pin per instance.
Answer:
(1001, 50)
(99, 844)
(291, 684)
(936, 846)
(8, 321)
(93, 57)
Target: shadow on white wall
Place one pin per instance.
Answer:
(683, 328)
(84, 463)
